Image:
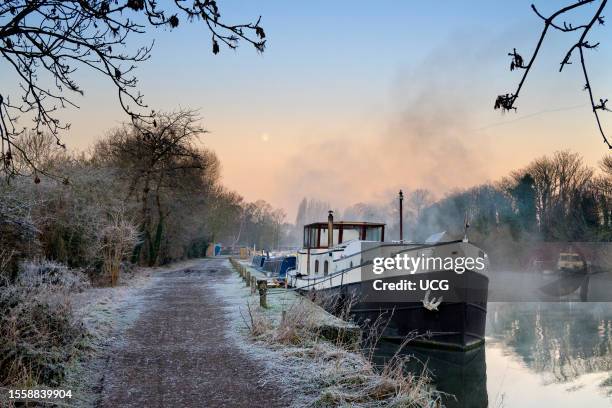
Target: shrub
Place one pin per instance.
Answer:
(38, 335)
(116, 240)
(53, 274)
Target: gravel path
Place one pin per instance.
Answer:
(176, 354)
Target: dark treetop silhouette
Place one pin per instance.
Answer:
(506, 101)
(52, 37)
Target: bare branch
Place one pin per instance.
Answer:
(53, 38)
(507, 101)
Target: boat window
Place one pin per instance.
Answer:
(325, 268)
(313, 238)
(323, 240)
(317, 235)
(350, 233)
(317, 266)
(373, 234)
(324, 234)
(310, 237)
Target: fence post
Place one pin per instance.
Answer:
(253, 284)
(248, 278)
(262, 285)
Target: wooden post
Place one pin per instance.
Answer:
(262, 285)
(253, 285)
(248, 278)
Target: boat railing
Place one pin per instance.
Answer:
(321, 279)
(412, 248)
(292, 278)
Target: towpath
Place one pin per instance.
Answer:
(177, 352)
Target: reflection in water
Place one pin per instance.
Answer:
(566, 285)
(554, 353)
(462, 375)
(560, 340)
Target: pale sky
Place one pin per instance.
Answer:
(354, 100)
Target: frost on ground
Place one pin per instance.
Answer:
(316, 372)
(38, 335)
(106, 312)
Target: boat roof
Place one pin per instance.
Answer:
(347, 223)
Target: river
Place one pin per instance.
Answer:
(535, 354)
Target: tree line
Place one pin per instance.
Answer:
(554, 198)
(144, 195)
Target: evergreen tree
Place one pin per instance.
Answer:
(524, 195)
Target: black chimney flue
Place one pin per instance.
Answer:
(401, 215)
(330, 229)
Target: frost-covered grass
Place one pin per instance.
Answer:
(313, 371)
(36, 273)
(55, 327)
(39, 337)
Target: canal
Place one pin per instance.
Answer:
(535, 352)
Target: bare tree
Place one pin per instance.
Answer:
(158, 162)
(418, 200)
(507, 101)
(42, 39)
(116, 239)
(39, 152)
(557, 181)
(606, 165)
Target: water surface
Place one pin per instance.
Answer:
(536, 354)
